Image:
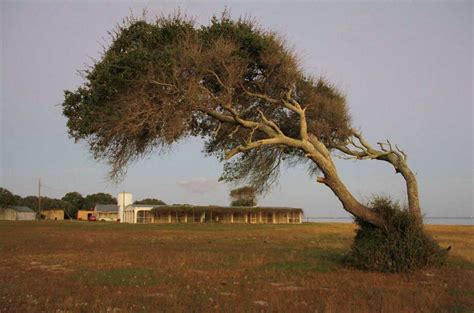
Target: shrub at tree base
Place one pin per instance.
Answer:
(403, 246)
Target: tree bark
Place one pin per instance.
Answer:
(412, 191)
(396, 157)
(349, 202)
(401, 167)
(312, 147)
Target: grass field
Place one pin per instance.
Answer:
(101, 267)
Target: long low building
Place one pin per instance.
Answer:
(134, 213)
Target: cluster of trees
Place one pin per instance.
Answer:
(8, 198)
(78, 202)
(71, 202)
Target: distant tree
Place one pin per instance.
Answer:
(98, 198)
(150, 201)
(76, 201)
(52, 203)
(243, 196)
(6, 198)
(30, 202)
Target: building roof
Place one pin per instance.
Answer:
(106, 208)
(214, 208)
(145, 205)
(22, 209)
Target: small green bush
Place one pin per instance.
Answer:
(403, 246)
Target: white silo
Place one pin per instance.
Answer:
(123, 199)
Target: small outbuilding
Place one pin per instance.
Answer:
(102, 212)
(53, 215)
(106, 212)
(17, 213)
(83, 215)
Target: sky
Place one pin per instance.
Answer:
(405, 67)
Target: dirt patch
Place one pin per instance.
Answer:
(52, 268)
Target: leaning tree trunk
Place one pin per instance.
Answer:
(395, 156)
(331, 179)
(412, 192)
(401, 167)
(349, 202)
(317, 151)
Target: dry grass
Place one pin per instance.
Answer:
(99, 267)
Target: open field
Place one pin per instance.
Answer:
(100, 267)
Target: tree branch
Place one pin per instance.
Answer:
(259, 95)
(270, 123)
(255, 144)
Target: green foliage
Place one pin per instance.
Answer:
(158, 82)
(243, 196)
(150, 201)
(6, 198)
(243, 202)
(403, 246)
(46, 203)
(98, 198)
(76, 203)
(71, 202)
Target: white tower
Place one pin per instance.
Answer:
(123, 199)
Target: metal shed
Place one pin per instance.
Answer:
(17, 213)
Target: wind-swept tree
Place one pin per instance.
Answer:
(233, 84)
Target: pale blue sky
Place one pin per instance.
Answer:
(406, 68)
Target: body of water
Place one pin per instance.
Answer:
(427, 220)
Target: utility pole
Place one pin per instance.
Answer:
(39, 197)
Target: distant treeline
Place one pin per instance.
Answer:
(71, 202)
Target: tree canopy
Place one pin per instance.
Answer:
(232, 83)
(76, 202)
(98, 198)
(150, 201)
(161, 82)
(6, 198)
(243, 196)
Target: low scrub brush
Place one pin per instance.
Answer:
(401, 247)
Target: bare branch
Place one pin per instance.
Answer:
(249, 139)
(234, 131)
(219, 80)
(259, 95)
(381, 144)
(252, 145)
(362, 140)
(389, 145)
(405, 157)
(270, 123)
(216, 131)
(321, 180)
